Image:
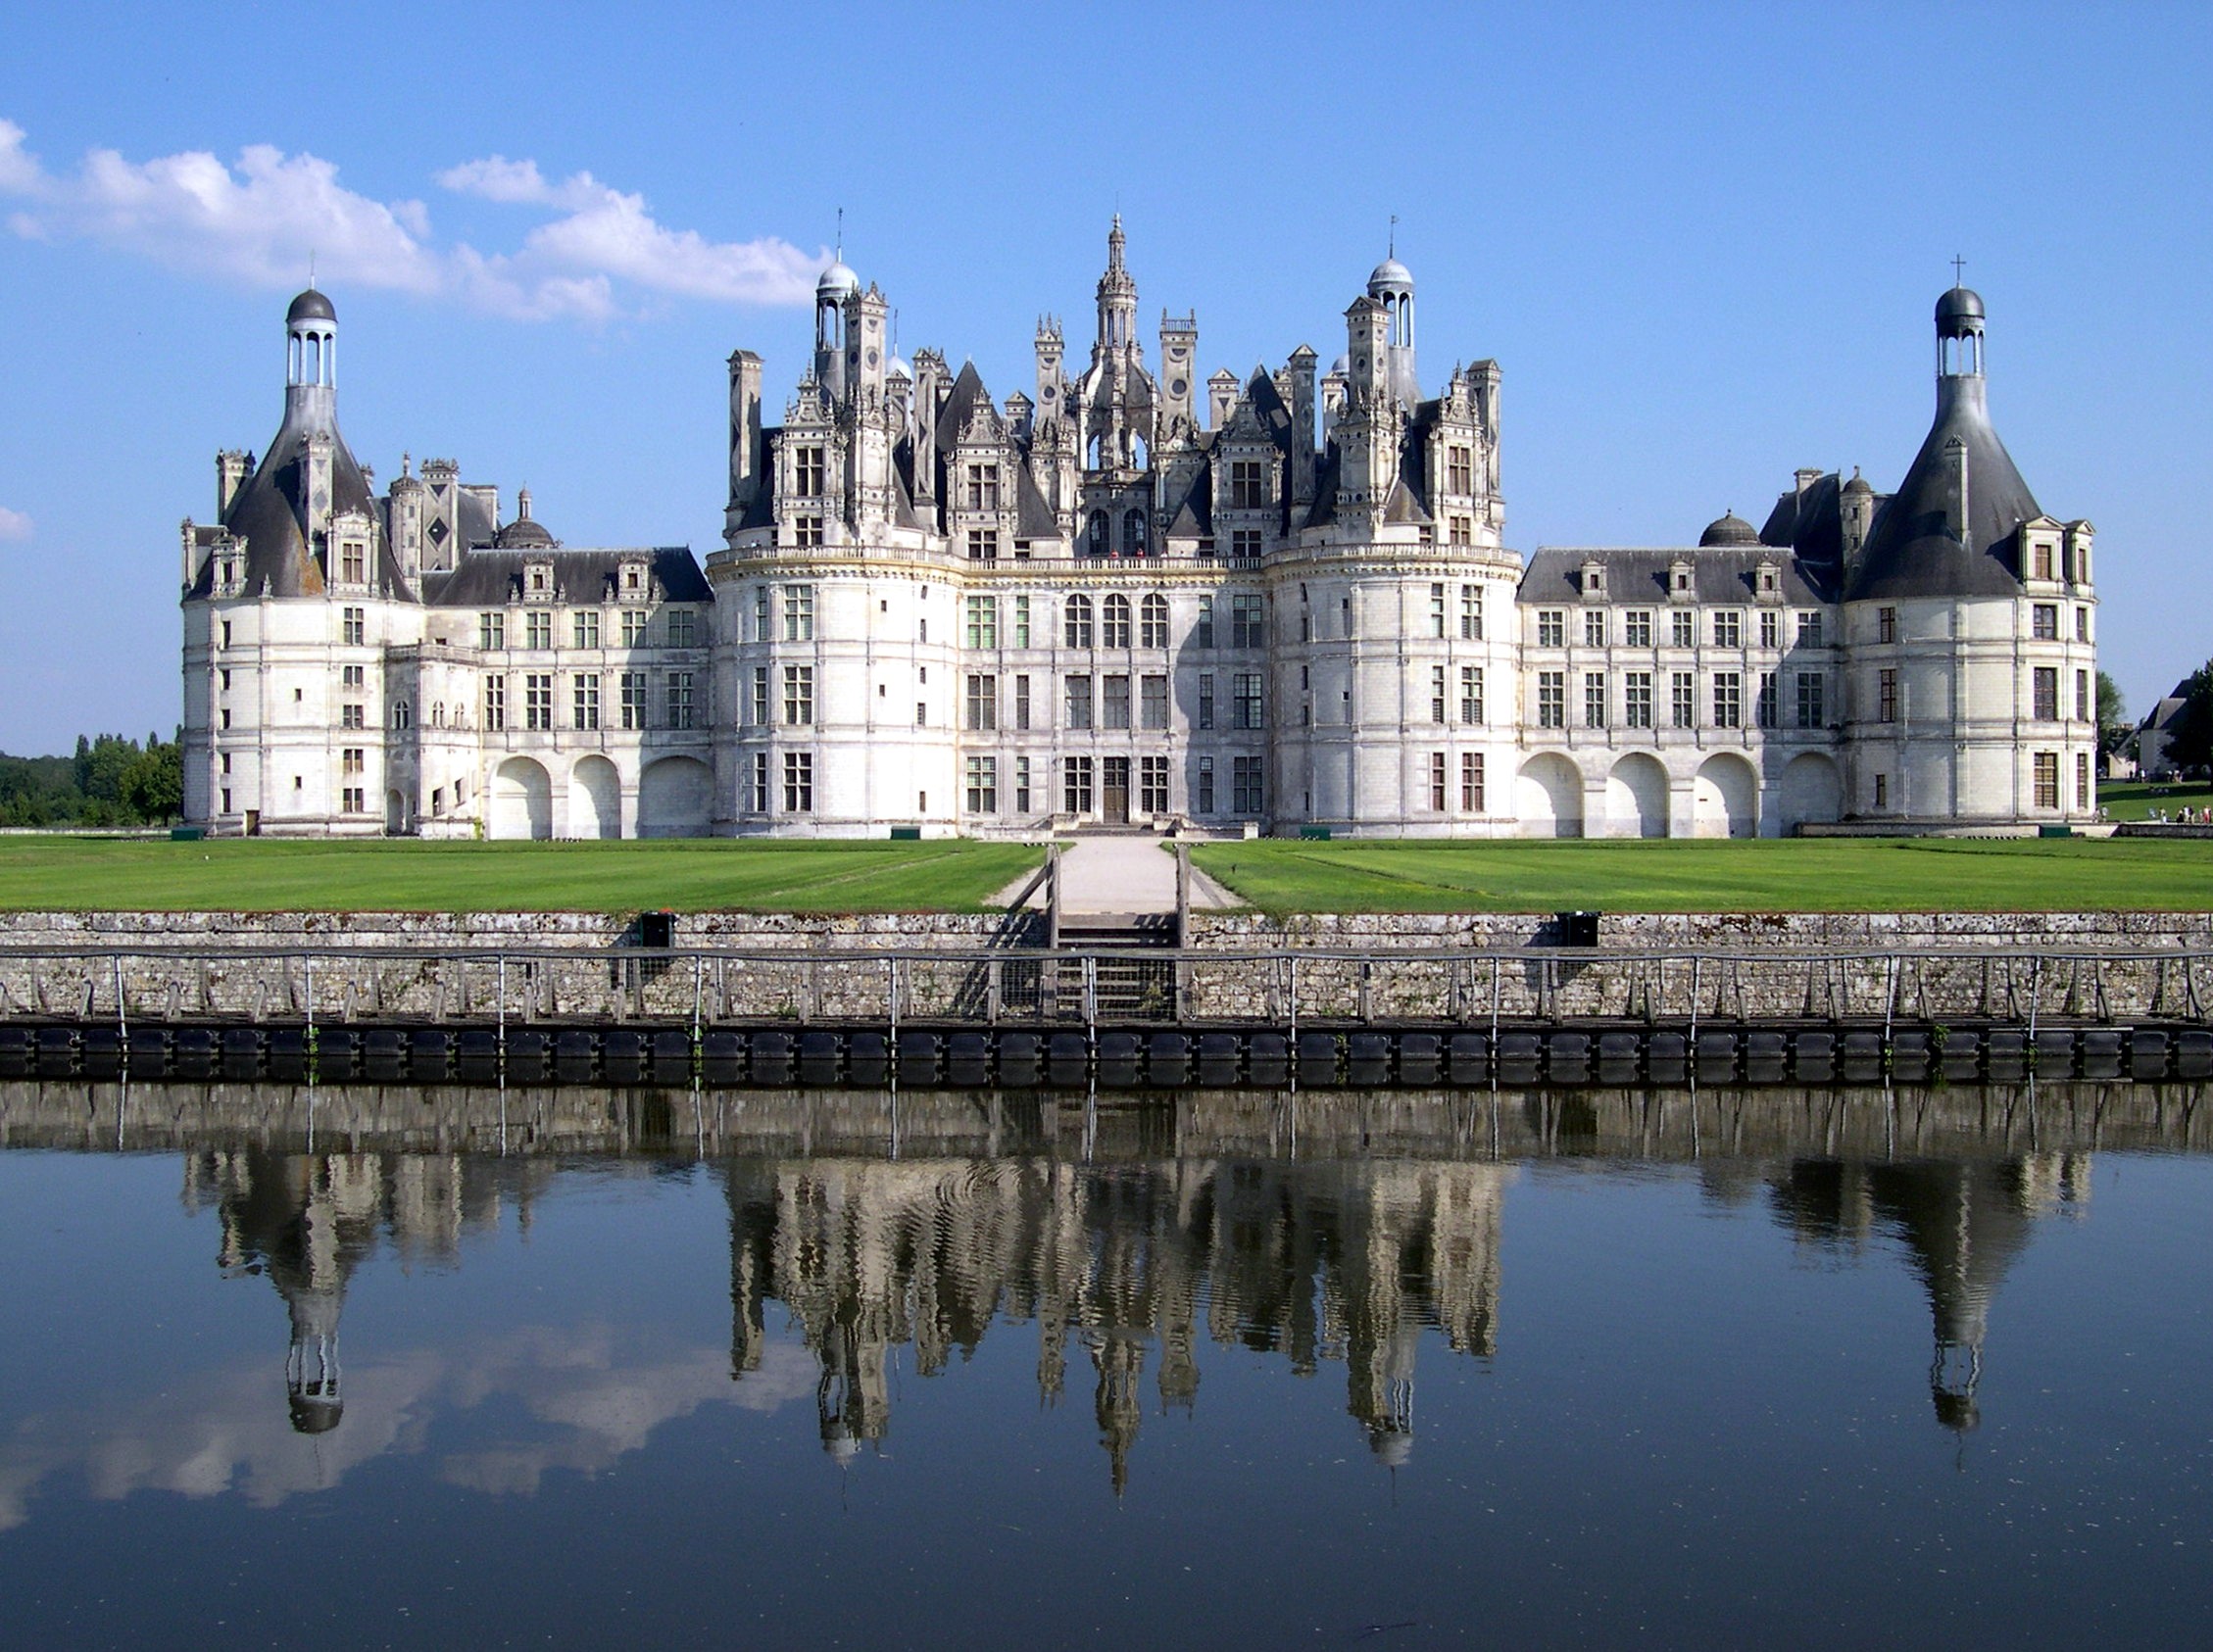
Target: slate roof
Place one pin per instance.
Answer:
(488, 578)
(1914, 550)
(269, 512)
(1639, 577)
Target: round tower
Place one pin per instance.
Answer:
(311, 361)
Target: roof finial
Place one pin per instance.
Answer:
(1393, 247)
(311, 269)
(841, 234)
(1958, 265)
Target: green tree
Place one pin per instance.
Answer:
(2190, 736)
(154, 785)
(2114, 730)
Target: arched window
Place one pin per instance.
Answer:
(1153, 628)
(1075, 630)
(400, 716)
(1095, 538)
(1133, 533)
(1114, 624)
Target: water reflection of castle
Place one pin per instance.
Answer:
(1136, 1263)
(309, 1220)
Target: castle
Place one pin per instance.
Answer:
(1120, 598)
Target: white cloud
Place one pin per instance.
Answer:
(14, 524)
(261, 220)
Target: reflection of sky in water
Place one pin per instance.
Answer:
(1206, 1400)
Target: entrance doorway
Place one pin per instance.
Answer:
(1114, 790)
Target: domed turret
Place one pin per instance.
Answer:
(524, 533)
(1389, 275)
(1960, 313)
(309, 306)
(1729, 529)
(837, 281)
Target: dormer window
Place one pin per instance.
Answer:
(1593, 581)
(537, 581)
(1679, 581)
(1768, 580)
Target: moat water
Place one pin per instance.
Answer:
(432, 1369)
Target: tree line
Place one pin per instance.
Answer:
(110, 780)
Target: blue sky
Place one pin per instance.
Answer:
(1702, 243)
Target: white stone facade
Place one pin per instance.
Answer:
(1113, 601)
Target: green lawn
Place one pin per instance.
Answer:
(1760, 875)
(2135, 801)
(67, 874)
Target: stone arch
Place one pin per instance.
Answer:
(1810, 789)
(1548, 797)
(595, 799)
(395, 814)
(1725, 798)
(675, 799)
(521, 799)
(1636, 796)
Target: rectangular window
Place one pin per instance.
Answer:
(1245, 622)
(1247, 700)
(2042, 559)
(1437, 611)
(353, 761)
(1153, 784)
(798, 613)
(2082, 781)
(1809, 629)
(1205, 700)
(1245, 486)
(1763, 705)
(1886, 696)
(1436, 695)
(1885, 625)
(1152, 622)
(799, 695)
(1203, 802)
(1471, 613)
(799, 783)
(983, 701)
(761, 782)
(1245, 544)
(491, 631)
(1245, 786)
(983, 545)
(1021, 786)
(1551, 628)
(1812, 712)
(1075, 786)
(1153, 711)
(1551, 700)
(349, 716)
(1882, 791)
(495, 704)
(1636, 698)
(1595, 628)
(1022, 622)
(760, 619)
(1079, 703)
(2045, 687)
(1727, 700)
(983, 785)
(1437, 772)
(1461, 530)
(1471, 783)
(2081, 625)
(1202, 633)
(1636, 628)
(1683, 709)
(1594, 699)
(1115, 701)
(761, 697)
(538, 629)
(807, 472)
(1022, 702)
(921, 713)
(1683, 629)
(1459, 470)
(633, 687)
(680, 708)
(2043, 621)
(356, 623)
(1471, 694)
(2082, 696)
(587, 627)
(1770, 629)
(354, 801)
(2047, 779)
(585, 698)
(633, 627)
(1728, 629)
(983, 487)
(537, 700)
(683, 628)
